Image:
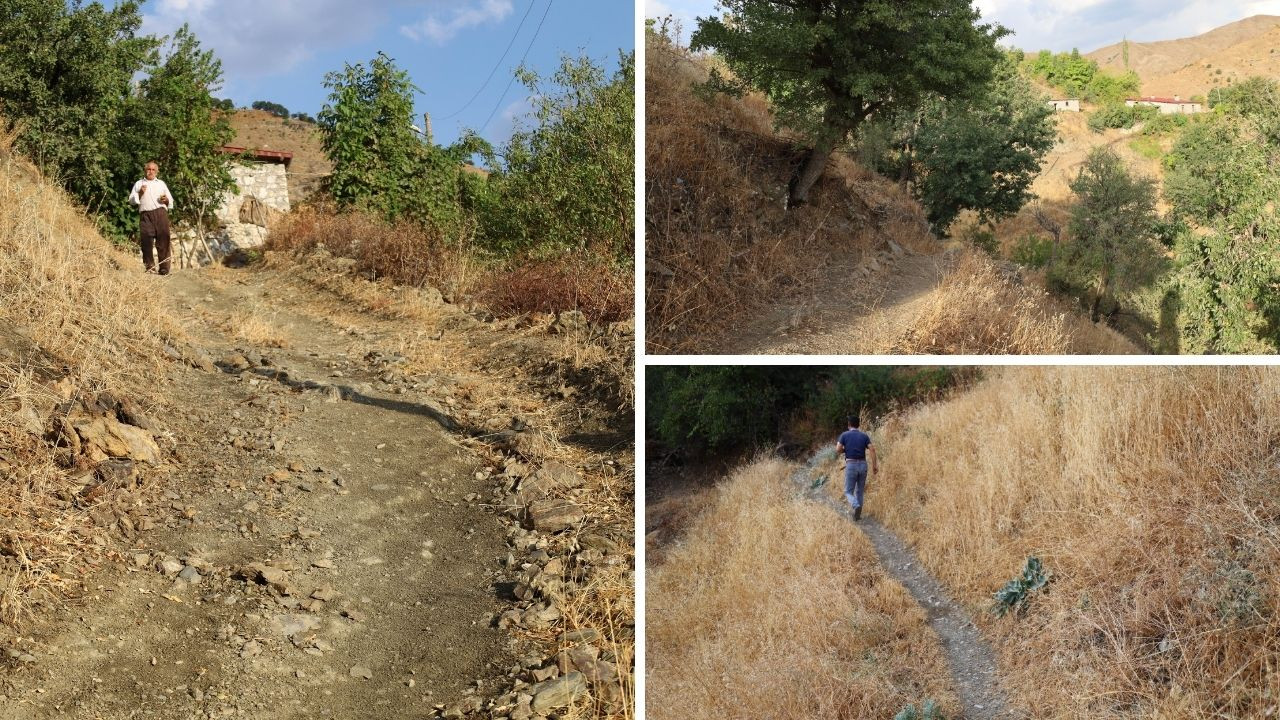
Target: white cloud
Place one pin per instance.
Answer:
(442, 29)
(256, 39)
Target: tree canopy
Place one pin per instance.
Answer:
(828, 66)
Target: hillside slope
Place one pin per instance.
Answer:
(260, 130)
(730, 269)
(1188, 66)
(1150, 495)
(274, 534)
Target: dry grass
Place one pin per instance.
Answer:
(718, 240)
(72, 314)
(1151, 495)
(980, 309)
(411, 255)
(770, 607)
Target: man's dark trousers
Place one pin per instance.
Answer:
(155, 229)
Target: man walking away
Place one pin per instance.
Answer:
(855, 446)
(152, 197)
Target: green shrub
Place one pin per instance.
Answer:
(1117, 115)
(1165, 122)
(1032, 251)
(1146, 146)
(928, 711)
(1017, 592)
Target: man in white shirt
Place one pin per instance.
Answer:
(152, 197)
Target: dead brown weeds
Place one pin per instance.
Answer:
(719, 240)
(770, 607)
(1150, 494)
(72, 315)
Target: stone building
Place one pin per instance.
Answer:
(1065, 105)
(1167, 105)
(245, 214)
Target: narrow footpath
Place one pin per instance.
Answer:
(969, 656)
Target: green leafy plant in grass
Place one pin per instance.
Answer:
(1033, 251)
(1146, 146)
(1017, 592)
(928, 711)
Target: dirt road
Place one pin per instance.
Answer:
(346, 527)
(844, 312)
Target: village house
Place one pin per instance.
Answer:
(1167, 105)
(243, 216)
(1065, 105)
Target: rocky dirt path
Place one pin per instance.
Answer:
(334, 540)
(850, 310)
(972, 662)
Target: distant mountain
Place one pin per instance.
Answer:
(1195, 65)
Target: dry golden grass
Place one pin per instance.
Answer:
(718, 240)
(70, 312)
(770, 606)
(979, 309)
(1151, 495)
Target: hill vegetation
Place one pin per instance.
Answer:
(723, 238)
(1146, 495)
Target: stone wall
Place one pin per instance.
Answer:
(243, 222)
(268, 182)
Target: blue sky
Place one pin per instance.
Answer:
(280, 50)
(1060, 26)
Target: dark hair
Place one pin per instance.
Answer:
(853, 421)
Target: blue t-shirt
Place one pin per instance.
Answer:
(855, 444)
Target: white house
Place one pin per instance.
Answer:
(1167, 105)
(1065, 105)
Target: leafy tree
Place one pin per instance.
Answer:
(1222, 176)
(303, 117)
(982, 153)
(1119, 115)
(274, 108)
(171, 120)
(379, 162)
(827, 67)
(1112, 229)
(66, 69)
(568, 183)
(224, 104)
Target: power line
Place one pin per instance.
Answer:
(522, 59)
(497, 64)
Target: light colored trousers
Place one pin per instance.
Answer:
(855, 481)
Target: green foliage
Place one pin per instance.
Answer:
(982, 153)
(224, 104)
(1017, 592)
(981, 237)
(1032, 251)
(1078, 76)
(1223, 176)
(172, 121)
(303, 117)
(1146, 146)
(1119, 115)
(567, 184)
(274, 108)
(703, 408)
(379, 162)
(65, 73)
(824, 86)
(1165, 123)
(67, 77)
(1112, 225)
(928, 711)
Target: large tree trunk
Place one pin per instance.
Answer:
(811, 171)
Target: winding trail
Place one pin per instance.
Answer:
(969, 657)
(849, 309)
